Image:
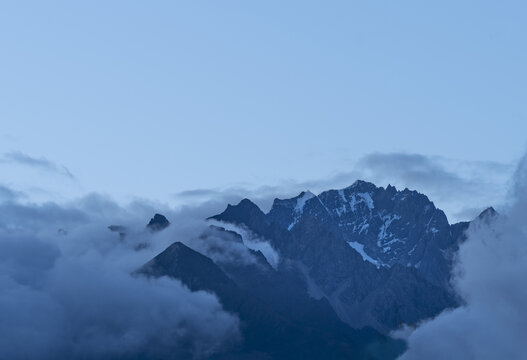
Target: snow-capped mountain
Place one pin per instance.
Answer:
(365, 256)
(383, 225)
(380, 256)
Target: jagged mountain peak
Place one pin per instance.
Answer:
(245, 212)
(158, 223)
(368, 236)
(306, 192)
(489, 212)
(244, 205)
(391, 189)
(362, 185)
(196, 270)
(285, 202)
(385, 226)
(368, 251)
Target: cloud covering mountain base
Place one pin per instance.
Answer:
(66, 290)
(490, 277)
(66, 284)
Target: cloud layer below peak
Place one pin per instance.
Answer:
(490, 277)
(66, 284)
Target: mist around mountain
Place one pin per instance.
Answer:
(489, 277)
(363, 272)
(379, 256)
(343, 267)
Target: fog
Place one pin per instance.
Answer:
(490, 277)
(66, 289)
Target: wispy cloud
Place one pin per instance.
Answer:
(66, 282)
(461, 188)
(7, 194)
(491, 266)
(217, 198)
(442, 176)
(18, 157)
(412, 168)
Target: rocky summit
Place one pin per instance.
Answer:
(332, 273)
(158, 223)
(380, 256)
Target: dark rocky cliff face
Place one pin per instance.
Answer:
(278, 319)
(381, 257)
(392, 227)
(353, 265)
(158, 223)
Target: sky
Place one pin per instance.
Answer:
(159, 100)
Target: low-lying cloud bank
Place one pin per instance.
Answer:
(451, 184)
(66, 289)
(490, 277)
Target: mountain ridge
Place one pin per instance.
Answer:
(361, 258)
(367, 230)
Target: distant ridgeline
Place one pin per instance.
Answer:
(353, 265)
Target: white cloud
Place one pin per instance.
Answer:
(70, 294)
(490, 277)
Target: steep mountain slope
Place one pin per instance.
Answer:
(381, 257)
(278, 319)
(387, 226)
(323, 276)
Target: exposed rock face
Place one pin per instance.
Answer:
(381, 257)
(390, 226)
(365, 256)
(158, 223)
(278, 319)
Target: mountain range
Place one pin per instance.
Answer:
(330, 275)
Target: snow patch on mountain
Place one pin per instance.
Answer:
(383, 232)
(362, 227)
(360, 249)
(353, 201)
(366, 197)
(299, 207)
(301, 201)
(359, 198)
(342, 195)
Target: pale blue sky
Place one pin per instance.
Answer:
(152, 98)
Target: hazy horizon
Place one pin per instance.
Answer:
(140, 101)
